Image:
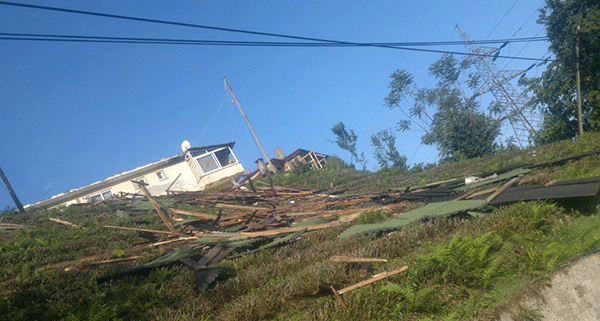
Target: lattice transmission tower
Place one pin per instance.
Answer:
(524, 120)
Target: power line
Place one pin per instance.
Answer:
(165, 22)
(511, 7)
(157, 41)
(183, 24)
(24, 36)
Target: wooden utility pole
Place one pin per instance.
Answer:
(269, 166)
(578, 77)
(11, 191)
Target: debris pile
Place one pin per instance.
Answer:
(249, 221)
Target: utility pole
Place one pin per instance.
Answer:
(578, 77)
(11, 191)
(269, 165)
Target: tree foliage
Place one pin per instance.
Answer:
(457, 127)
(555, 90)
(346, 140)
(386, 153)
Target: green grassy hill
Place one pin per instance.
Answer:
(461, 268)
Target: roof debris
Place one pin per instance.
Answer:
(249, 221)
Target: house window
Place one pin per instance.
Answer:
(207, 163)
(161, 175)
(210, 161)
(139, 179)
(101, 196)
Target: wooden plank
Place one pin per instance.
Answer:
(156, 205)
(466, 195)
(485, 191)
(171, 185)
(195, 214)
(181, 239)
(502, 189)
(63, 222)
(375, 278)
(138, 229)
(349, 259)
(119, 260)
(242, 207)
(11, 226)
(338, 297)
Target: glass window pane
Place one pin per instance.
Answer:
(97, 197)
(224, 157)
(106, 194)
(207, 163)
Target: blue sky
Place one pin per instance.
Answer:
(75, 113)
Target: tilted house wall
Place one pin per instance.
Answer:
(194, 170)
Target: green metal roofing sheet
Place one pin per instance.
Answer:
(432, 210)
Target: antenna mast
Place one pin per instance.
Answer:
(269, 165)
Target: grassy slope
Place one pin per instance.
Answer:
(458, 268)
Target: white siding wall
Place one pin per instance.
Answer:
(186, 182)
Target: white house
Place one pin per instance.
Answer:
(193, 170)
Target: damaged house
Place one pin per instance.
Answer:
(193, 170)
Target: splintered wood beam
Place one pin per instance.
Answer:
(338, 297)
(58, 220)
(242, 207)
(374, 278)
(486, 191)
(138, 229)
(181, 239)
(119, 260)
(468, 194)
(503, 188)
(156, 205)
(349, 259)
(171, 185)
(195, 214)
(11, 226)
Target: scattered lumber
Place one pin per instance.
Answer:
(373, 279)
(503, 188)
(349, 259)
(194, 214)
(119, 260)
(10, 226)
(138, 229)
(338, 297)
(63, 222)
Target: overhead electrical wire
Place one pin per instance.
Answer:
(318, 41)
(511, 7)
(391, 45)
(27, 36)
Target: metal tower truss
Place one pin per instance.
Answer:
(523, 119)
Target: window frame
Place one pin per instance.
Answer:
(212, 153)
(99, 197)
(161, 172)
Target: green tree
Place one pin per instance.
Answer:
(457, 128)
(386, 153)
(346, 140)
(555, 91)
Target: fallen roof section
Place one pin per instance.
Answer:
(585, 187)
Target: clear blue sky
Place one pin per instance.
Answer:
(75, 113)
